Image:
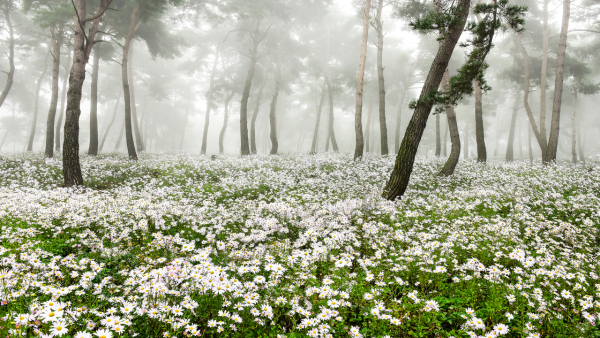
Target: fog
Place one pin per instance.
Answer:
(188, 56)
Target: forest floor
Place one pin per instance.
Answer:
(296, 246)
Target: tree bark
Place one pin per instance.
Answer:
(405, 160)
(438, 141)
(452, 161)
(93, 150)
(558, 84)
(11, 52)
(36, 100)
(574, 131)
(127, 89)
(479, 132)
(511, 133)
(382, 119)
(313, 147)
(331, 130)
(544, 72)
(82, 47)
(136, 126)
(245, 146)
(367, 136)
(209, 97)
(63, 100)
(55, 44)
(359, 148)
(112, 121)
(255, 116)
(445, 152)
(273, 110)
(225, 121)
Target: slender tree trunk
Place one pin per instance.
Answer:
(63, 100)
(114, 117)
(55, 45)
(245, 146)
(438, 137)
(273, 111)
(136, 126)
(82, 47)
(313, 148)
(452, 161)
(405, 160)
(367, 137)
(358, 151)
(225, 121)
(541, 139)
(445, 153)
(93, 150)
(579, 137)
(574, 131)
(11, 52)
(544, 73)
(382, 119)
(209, 97)
(479, 132)
(255, 116)
(185, 120)
(331, 130)
(558, 83)
(121, 134)
(36, 100)
(9, 127)
(511, 132)
(127, 89)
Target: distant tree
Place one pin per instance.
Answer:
(8, 6)
(359, 147)
(36, 100)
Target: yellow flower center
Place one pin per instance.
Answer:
(51, 314)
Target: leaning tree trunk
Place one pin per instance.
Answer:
(313, 147)
(558, 84)
(255, 116)
(396, 186)
(452, 161)
(273, 111)
(209, 97)
(127, 89)
(35, 105)
(112, 121)
(55, 45)
(93, 150)
(479, 132)
(245, 146)
(359, 148)
(136, 126)
(121, 134)
(382, 119)
(63, 101)
(331, 130)
(82, 47)
(574, 131)
(511, 132)
(367, 137)
(11, 55)
(225, 121)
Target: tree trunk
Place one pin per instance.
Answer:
(185, 119)
(511, 132)
(479, 132)
(11, 53)
(209, 97)
(225, 121)
(55, 45)
(331, 131)
(438, 141)
(245, 146)
(9, 127)
(574, 131)
(36, 100)
(544, 72)
(111, 122)
(121, 134)
(63, 100)
(358, 151)
(558, 83)
(136, 126)
(255, 116)
(93, 150)
(368, 129)
(82, 47)
(313, 148)
(452, 161)
(382, 119)
(541, 139)
(127, 89)
(273, 111)
(445, 153)
(396, 186)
